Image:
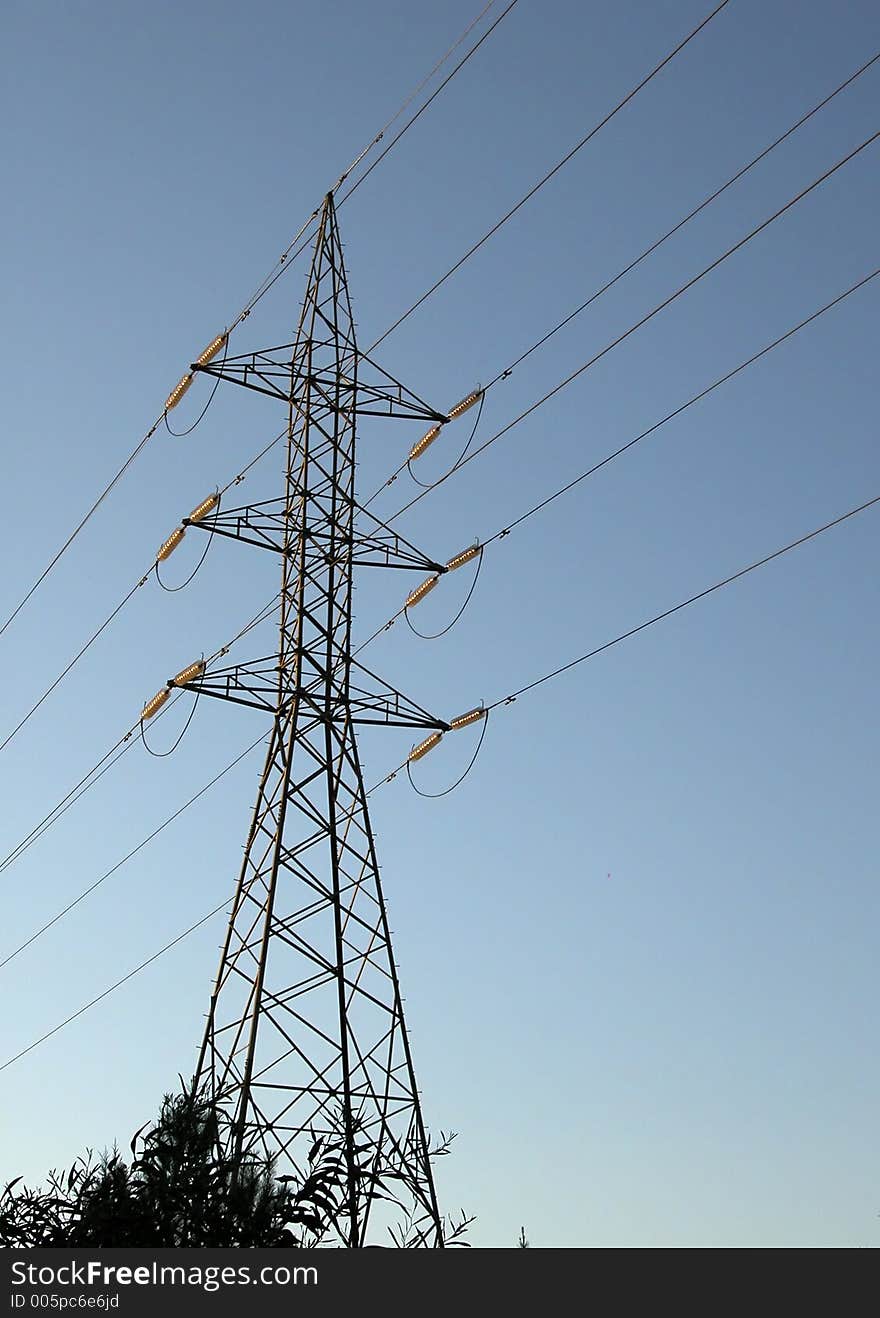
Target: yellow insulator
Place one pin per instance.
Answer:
(464, 557)
(188, 674)
(465, 720)
(153, 706)
(424, 443)
(178, 391)
(168, 547)
(415, 596)
(211, 351)
(424, 746)
(473, 397)
(201, 510)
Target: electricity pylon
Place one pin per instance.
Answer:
(306, 1040)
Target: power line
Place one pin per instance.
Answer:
(236, 480)
(261, 617)
(171, 818)
(115, 753)
(620, 105)
(76, 658)
(505, 530)
(75, 532)
(85, 783)
(661, 306)
(134, 851)
(696, 398)
(283, 262)
(654, 246)
(155, 956)
(505, 700)
(667, 613)
(289, 255)
(113, 987)
(581, 659)
(528, 351)
(88, 780)
(354, 187)
(125, 743)
(550, 174)
(676, 228)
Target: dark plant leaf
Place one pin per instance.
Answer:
(134, 1138)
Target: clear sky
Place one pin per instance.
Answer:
(639, 943)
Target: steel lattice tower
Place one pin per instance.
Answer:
(306, 1039)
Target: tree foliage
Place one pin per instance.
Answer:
(177, 1190)
(180, 1190)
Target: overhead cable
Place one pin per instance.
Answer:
(283, 263)
(505, 700)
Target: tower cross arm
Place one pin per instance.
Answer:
(366, 390)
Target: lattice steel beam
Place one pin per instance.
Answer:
(306, 1039)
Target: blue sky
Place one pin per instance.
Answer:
(683, 1053)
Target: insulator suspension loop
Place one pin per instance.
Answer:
(475, 396)
(161, 755)
(197, 515)
(220, 342)
(188, 674)
(458, 560)
(478, 715)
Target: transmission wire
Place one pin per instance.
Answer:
(504, 531)
(505, 700)
(508, 370)
(245, 311)
(140, 846)
(661, 306)
(424, 107)
(117, 750)
(155, 956)
(286, 259)
(659, 617)
(106, 623)
(667, 613)
(696, 398)
(555, 170)
(70, 539)
(527, 197)
(236, 480)
(501, 533)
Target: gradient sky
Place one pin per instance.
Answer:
(638, 944)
